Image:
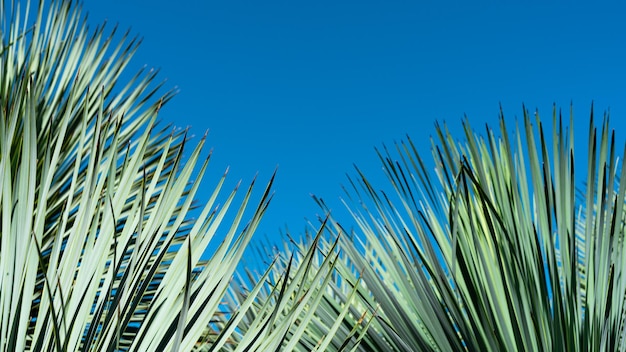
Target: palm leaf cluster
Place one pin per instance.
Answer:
(497, 250)
(315, 310)
(101, 242)
(97, 251)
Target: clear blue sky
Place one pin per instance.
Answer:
(314, 86)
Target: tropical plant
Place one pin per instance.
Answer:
(98, 251)
(497, 251)
(305, 302)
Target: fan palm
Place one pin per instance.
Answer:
(311, 308)
(98, 251)
(496, 251)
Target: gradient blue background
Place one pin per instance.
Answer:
(312, 87)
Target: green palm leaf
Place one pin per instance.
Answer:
(494, 252)
(304, 305)
(97, 247)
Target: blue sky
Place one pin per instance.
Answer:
(313, 87)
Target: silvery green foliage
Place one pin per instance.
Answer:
(97, 248)
(497, 250)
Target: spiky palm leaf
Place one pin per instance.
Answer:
(496, 253)
(303, 303)
(97, 248)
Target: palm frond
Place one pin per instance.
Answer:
(494, 252)
(303, 306)
(98, 250)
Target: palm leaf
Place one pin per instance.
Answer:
(495, 251)
(98, 250)
(303, 307)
